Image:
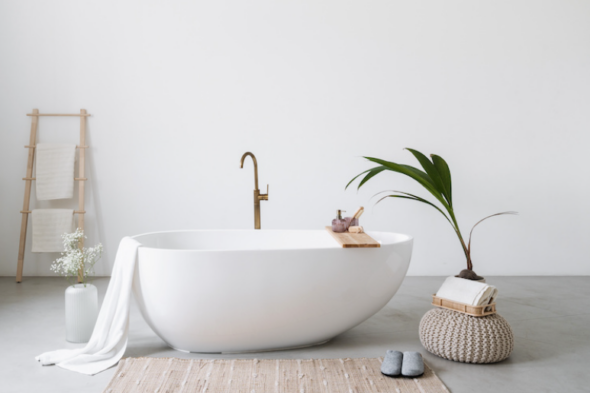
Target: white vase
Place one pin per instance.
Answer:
(81, 312)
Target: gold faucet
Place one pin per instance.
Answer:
(257, 195)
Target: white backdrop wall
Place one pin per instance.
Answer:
(178, 90)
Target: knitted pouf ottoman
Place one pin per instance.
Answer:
(456, 336)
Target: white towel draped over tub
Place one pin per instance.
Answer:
(48, 226)
(54, 171)
(467, 291)
(109, 338)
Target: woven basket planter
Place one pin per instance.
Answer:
(462, 338)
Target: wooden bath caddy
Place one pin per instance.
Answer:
(354, 240)
(474, 311)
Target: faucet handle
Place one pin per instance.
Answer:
(264, 197)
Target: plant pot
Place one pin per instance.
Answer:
(482, 280)
(81, 312)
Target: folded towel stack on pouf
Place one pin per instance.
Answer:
(462, 338)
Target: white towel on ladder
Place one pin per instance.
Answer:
(55, 171)
(48, 226)
(109, 337)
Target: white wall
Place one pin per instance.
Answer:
(179, 90)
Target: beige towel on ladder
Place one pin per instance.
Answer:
(48, 226)
(55, 171)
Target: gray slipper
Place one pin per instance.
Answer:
(413, 365)
(392, 364)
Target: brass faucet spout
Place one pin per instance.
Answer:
(255, 167)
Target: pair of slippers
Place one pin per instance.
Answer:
(407, 364)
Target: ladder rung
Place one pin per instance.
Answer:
(77, 147)
(76, 178)
(75, 211)
(58, 114)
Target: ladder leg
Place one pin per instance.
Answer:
(21, 247)
(27, 199)
(81, 184)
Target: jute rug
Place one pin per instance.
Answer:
(167, 375)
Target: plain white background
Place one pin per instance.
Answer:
(178, 90)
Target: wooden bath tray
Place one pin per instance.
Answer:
(354, 240)
(474, 311)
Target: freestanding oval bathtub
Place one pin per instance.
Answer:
(259, 290)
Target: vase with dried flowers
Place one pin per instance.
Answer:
(77, 265)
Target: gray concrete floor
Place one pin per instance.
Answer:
(549, 316)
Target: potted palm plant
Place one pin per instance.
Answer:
(436, 179)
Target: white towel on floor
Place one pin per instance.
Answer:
(55, 171)
(48, 226)
(109, 337)
(467, 291)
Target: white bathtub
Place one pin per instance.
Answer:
(247, 290)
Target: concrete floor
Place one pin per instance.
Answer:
(549, 316)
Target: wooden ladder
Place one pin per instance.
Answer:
(81, 183)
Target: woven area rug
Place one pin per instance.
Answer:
(168, 375)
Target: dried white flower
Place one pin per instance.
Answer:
(73, 258)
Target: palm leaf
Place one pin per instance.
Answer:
(477, 223)
(412, 197)
(362, 173)
(371, 173)
(451, 221)
(431, 171)
(414, 173)
(445, 174)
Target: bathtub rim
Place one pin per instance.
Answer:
(406, 239)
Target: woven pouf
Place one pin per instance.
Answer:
(456, 336)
